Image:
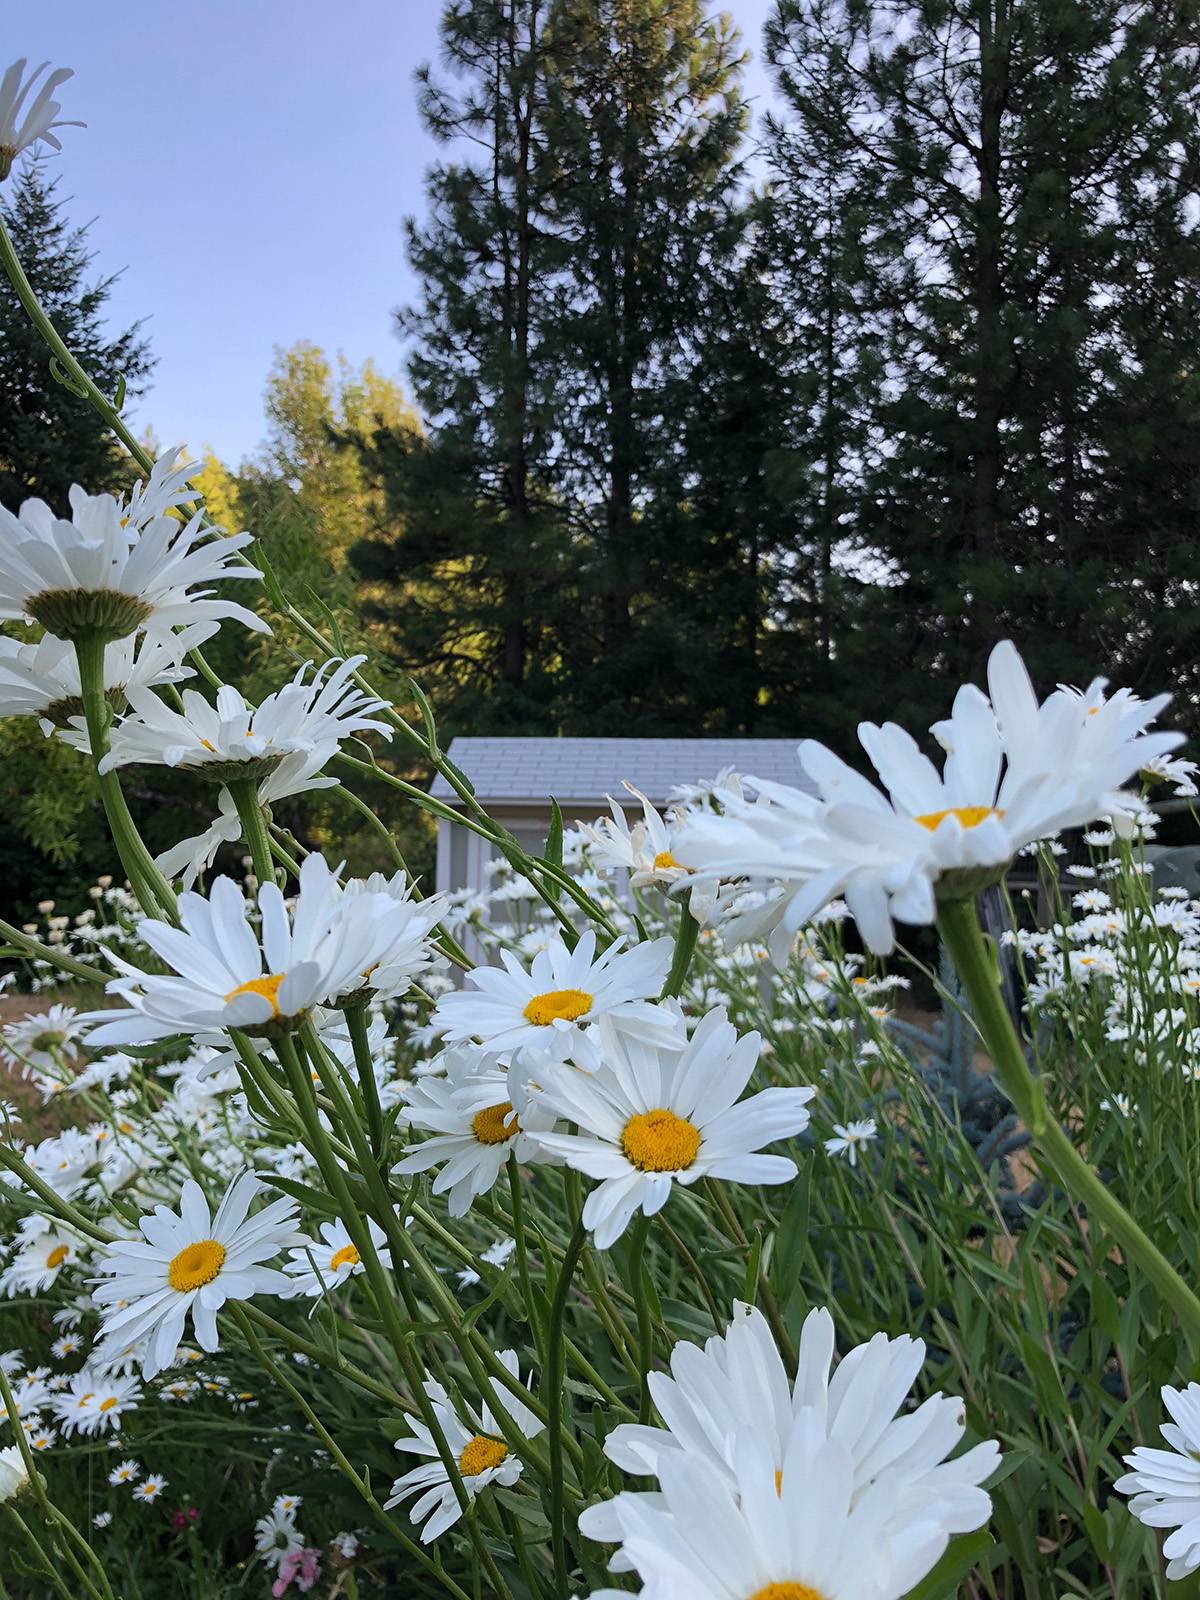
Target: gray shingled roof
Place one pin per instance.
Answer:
(577, 770)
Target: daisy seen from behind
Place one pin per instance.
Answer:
(23, 122)
(188, 1264)
(483, 1456)
(648, 1118)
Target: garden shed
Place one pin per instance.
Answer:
(514, 779)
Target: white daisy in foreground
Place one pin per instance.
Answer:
(276, 1535)
(548, 1008)
(1015, 772)
(234, 739)
(21, 124)
(849, 1137)
(1165, 1484)
(42, 680)
(320, 1266)
(190, 1263)
(482, 1455)
(97, 574)
(227, 978)
(649, 1118)
(740, 1381)
(14, 1474)
(764, 1532)
(474, 1130)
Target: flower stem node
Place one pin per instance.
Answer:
(79, 613)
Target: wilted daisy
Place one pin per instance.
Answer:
(319, 1266)
(23, 121)
(1016, 771)
(14, 1474)
(1165, 1484)
(233, 739)
(473, 1128)
(229, 976)
(849, 1137)
(97, 574)
(648, 1118)
(42, 680)
(191, 1262)
(758, 1531)
(482, 1455)
(565, 992)
(739, 1381)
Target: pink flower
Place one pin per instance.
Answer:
(302, 1565)
(184, 1517)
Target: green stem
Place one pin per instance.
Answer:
(556, 1390)
(244, 794)
(357, 1023)
(685, 945)
(645, 1322)
(959, 928)
(153, 892)
(522, 1254)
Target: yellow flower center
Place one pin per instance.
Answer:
(557, 1004)
(778, 1480)
(787, 1591)
(659, 1141)
(196, 1265)
(495, 1124)
(57, 1256)
(109, 1403)
(268, 987)
(663, 860)
(347, 1256)
(968, 816)
(480, 1454)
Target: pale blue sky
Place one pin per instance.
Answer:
(248, 164)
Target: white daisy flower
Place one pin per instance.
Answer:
(150, 1488)
(276, 1535)
(643, 850)
(1015, 772)
(739, 1381)
(483, 1457)
(191, 1263)
(21, 125)
(229, 976)
(407, 952)
(548, 1008)
(102, 1519)
(125, 1472)
(40, 1039)
(29, 1394)
(320, 1266)
(649, 1118)
(37, 1264)
(95, 1402)
(42, 680)
(794, 1532)
(95, 573)
(1165, 1484)
(474, 1130)
(42, 1439)
(849, 1136)
(14, 1474)
(234, 739)
(166, 489)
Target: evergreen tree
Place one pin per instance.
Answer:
(645, 121)
(49, 438)
(470, 583)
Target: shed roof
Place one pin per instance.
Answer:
(585, 770)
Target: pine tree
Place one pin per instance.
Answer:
(470, 581)
(49, 438)
(644, 121)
